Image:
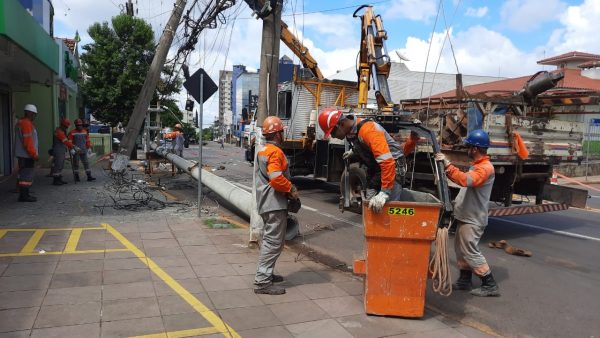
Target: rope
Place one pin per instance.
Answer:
(439, 266)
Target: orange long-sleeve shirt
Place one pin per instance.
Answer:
(26, 129)
(60, 135)
(379, 141)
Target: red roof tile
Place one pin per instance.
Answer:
(572, 80)
(71, 43)
(569, 56)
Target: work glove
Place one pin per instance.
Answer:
(348, 154)
(442, 157)
(376, 203)
(72, 152)
(293, 194)
(77, 149)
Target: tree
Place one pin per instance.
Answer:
(115, 66)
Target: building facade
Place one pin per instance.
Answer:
(34, 69)
(225, 111)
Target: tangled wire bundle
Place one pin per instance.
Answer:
(127, 193)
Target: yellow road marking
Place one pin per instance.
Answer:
(234, 222)
(73, 240)
(54, 229)
(21, 254)
(211, 317)
(33, 241)
(182, 333)
(2, 233)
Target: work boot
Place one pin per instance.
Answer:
(276, 278)
(89, 177)
(488, 287)
(58, 181)
(269, 289)
(24, 195)
(464, 281)
(76, 177)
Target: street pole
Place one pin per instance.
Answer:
(267, 97)
(200, 111)
(141, 105)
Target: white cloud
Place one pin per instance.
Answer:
(479, 51)
(528, 15)
(477, 12)
(579, 31)
(416, 10)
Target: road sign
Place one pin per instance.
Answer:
(193, 86)
(595, 122)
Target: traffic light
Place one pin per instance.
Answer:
(189, 105)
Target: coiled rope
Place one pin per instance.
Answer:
(439, 266)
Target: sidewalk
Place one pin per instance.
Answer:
(69, 271)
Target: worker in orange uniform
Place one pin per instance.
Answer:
(273, 190)
(26, 151)
(373, 147)
(177, 140)
(60, 146)
(471, 214)
(80, 138)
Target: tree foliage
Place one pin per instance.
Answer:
(115, 66)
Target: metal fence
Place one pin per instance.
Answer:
(101, 143)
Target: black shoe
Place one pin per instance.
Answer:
(276, 278)
(488, 287)
(76, 177)
(464, 281)
(90, 178)
(269, 289)
(24, 195)
(58, 181)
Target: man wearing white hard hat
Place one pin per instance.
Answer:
(26, 150)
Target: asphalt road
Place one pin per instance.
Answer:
(554, 293)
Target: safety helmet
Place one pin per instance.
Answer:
(178, 126)
(65, 122)
(31, 107)
(478, 138)
(271, 125)
(78, 122)
(328, 119)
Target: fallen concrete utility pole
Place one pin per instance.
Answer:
(238, 197)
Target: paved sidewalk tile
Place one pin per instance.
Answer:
(23, 283)
(126, 276)
(271, 332)
(17, 319)
(234, 298)
(341, 306)
(129, 290)
(24, 269)
(184, 321)
(446, 333)
(21, 299)
(298, 312)
(214, 270)
(249, 317)
(223, 283)
(318, 329)
(75, 279)
(70, 314)
(75, 295)
(174, 304)
(322, 290)
(75, 331)
(129, 308)
(132, 327)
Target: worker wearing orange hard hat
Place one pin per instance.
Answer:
(177, 140)
(60, 146)
(273, 192)
(372, 146)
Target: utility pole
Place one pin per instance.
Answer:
(143, 100)
(129, 8)
(267, 97)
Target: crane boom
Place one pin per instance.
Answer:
(291, 41)
(373, 64)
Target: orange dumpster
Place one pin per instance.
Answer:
(398, 242)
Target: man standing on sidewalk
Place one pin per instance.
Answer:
(81, 140)
(273, 189)
(471, 214)
(26, 150)
(60, 146)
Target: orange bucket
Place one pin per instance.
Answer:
(398, 243)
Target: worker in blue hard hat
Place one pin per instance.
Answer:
(471, 213)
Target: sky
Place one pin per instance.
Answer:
(473, 37)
